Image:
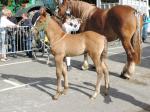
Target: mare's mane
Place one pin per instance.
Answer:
(84, 10)
(58, 21)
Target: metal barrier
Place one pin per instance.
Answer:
(107, 5)
(14, 40)
(141, 5)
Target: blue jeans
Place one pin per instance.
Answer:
(2, 42)
(144, 31)
(28, 45)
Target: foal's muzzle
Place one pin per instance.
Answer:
(35, 31)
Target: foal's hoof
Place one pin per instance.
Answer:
(94, 96)
(64, 92)
(125, 76)
(48, 62)
(106, 93)
(57, 96)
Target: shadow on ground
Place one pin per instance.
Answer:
(122, 57)
(44, 81)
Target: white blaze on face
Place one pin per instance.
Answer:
(68, 11)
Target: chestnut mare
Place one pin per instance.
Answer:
(120, 21)
(63, 45)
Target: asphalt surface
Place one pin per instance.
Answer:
(27, 85)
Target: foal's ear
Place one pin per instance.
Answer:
(43, 11)
(65, 1)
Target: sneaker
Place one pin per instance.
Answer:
(143, 39)
(3, 59)
(14, 55)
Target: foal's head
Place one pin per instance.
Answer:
(41, 22)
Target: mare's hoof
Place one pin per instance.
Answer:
(92, 98)
(125, 76)
(85, 67)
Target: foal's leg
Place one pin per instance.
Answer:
(106, 77)
(100, 75)
(59, 68)
(85, 65)
(64, 72)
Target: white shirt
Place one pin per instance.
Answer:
(4, 22)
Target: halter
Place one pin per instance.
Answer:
(68, 11)
(42, 27)
(57, 41)
(45, 25)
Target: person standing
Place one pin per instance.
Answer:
(27, 23)
(145, 27)
(11, 34)
(4, 22)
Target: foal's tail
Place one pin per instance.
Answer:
(136, 39)
(105, 51)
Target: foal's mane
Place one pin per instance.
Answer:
(82, 9)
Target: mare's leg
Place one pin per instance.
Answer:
(128, 70)
(85, 65)
(64, 72)
(59, 69)
(100, 75)
(129, 67)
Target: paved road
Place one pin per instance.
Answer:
(28, 86)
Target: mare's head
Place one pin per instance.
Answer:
(63, 9)
(41, 22)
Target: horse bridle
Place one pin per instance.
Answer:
(67, 11)
(43, 26)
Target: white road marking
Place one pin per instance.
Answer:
(122, 53)
(115, 47)
(19, 86)
(146, 57)
(11, 82)
(15, 63)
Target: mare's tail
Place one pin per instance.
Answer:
(136, 39)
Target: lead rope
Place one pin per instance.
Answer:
(58, 40)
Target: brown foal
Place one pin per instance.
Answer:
(62, 45)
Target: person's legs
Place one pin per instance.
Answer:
(68, 59)
(13, 44)
(29, 46)
(3, 56)
(144, 34)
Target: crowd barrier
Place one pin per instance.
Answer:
(15, 40)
